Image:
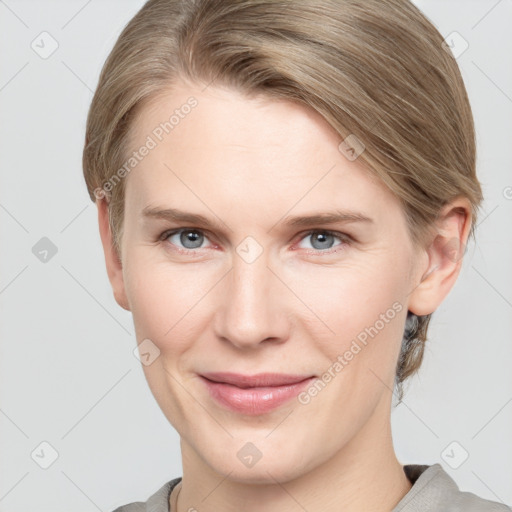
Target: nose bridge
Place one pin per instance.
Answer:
(249, 307)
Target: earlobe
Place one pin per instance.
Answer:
(112, 261)
(445, 255)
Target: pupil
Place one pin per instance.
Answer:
(322, 237)
(190, 236)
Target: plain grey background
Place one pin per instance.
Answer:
(73, 396)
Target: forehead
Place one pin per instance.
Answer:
(196, 115)
(219, 142)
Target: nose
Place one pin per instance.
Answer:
(252, 305)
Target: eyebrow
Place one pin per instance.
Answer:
(173, 214)
(333, 217)
(337, 216)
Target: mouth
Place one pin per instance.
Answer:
(254, 394)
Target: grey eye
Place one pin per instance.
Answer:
(189, 238)
(323, 240)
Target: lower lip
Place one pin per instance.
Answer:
(254, 401)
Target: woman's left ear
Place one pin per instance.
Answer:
(445, 254)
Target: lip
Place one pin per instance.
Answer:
(254, 394)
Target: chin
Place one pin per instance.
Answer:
(278, 465)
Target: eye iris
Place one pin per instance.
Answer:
(190, 236)
(323, 237)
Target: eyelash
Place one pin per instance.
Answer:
(343, 237)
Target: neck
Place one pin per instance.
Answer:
(364, 475)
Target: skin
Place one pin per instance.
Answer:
(249, 163)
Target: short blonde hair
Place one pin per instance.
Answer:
(377, 70)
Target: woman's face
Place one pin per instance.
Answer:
(255, 290)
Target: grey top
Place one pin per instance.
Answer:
(433, 490)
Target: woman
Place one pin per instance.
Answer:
(226, 143)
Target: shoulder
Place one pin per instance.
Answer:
(434, 489)
(157, 502)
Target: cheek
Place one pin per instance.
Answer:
(165, 299)
(356, 310)
(167, 309)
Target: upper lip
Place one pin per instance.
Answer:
(254, 381)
